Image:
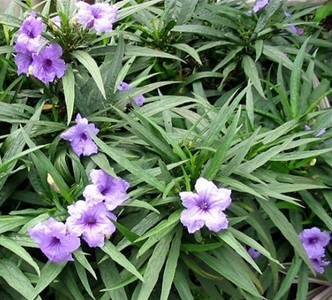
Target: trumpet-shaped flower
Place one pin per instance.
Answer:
(47, 64)
(99, 16)
(205, 207)
(113, 191)
(29, 35)
(54, 240)
(79, 137)
(92, 222)
(314, 242)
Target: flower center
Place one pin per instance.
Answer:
(313, 240)
(47, 63)
(55, 242)
(83, 136)
(204, 205)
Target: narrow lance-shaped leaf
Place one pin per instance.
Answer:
(89, 63)
(295, 80)
(68, 82)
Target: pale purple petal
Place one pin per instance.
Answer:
(23, 62)
(47, 64)
(215, 219)
(99, 16)
(92, 194)
(124, 86)
(139, 100)
(79, 137)
(314, 241)
(205, 207)
(112, 190)
(54, 240)
(307, 127)
(191, 219)
(92, 222)
(259, 5)
(319, 264)
(320, 132)
(253, 253)
(189, 199)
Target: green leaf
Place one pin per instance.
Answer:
(83, 278)
(182, 285)
(276, 55)
(49, 272)
(316, 207)
(89, 63)
(119, 258)
(250, 69)
(15, 278)
(10, 20)
(288, 280)
(230, 268)
(163, 225)
(281, 222)
(252, 243)
(303, 283)
(81, 258)
(13, 246)
(268, 11)
(295, 80)
(171, 265)
(213, 166)
(131, 166)
(154, 266)
(229, 239)
(189, 50)
(68, 82)
(140, 204)
(8, 223)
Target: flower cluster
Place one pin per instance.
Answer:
(33, 56)
(99, 16)
(79, 137)
(91, 219)
(314, 242)
(206, 207)
(139, 100)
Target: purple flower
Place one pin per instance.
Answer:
(307, 127)
(319, 264)
(99, 16)
(292, 27)
(314, 242)
(124, 86)
(92, 222)
(139, 100)
(106, 188)
(259, 4)
(29, 35)
(23, 62)
(79, 137)
(47, 65)
(54, 240)
(253, 253)
(205, 207)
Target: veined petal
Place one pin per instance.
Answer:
(189, 199)
(191, 218)
(215, 219)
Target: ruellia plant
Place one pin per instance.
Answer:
(165, 150)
